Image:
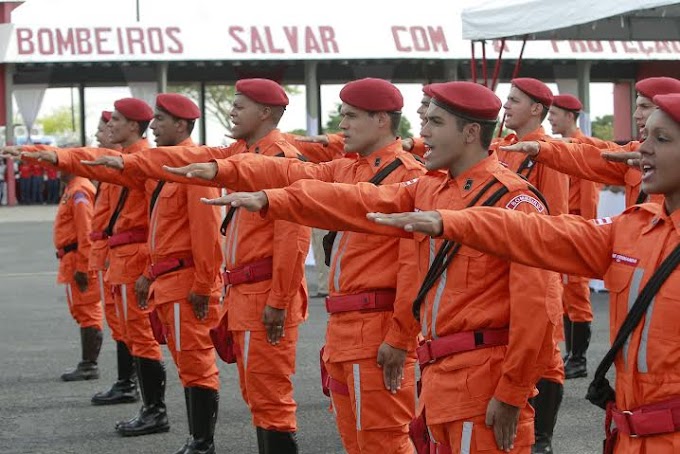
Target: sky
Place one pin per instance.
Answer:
(124, 11)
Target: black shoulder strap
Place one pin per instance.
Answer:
(116, 213)
(449, 249)
(528, 163)
(329, 238)
(155, 194)
(599, 391)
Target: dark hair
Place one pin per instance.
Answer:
(395, 120)
(143, 125)
(544, 112)
(485, 132)
(576, 114)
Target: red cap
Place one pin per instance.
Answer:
(653, 86)
(106, 116)
(373, 95)
(427, 90)
(567, 102)
(263, 91)
(535, 89)
(467, 99)
(670, 104)
(134, 109)
(178, 106)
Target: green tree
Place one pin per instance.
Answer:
(603, 127)
(218, 99)
(333, 124)
(298, 132)
(60, 121)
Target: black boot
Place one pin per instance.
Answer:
(567, 337)
(547, 405)
(260, 440)
(125, 389)
(90, 344)
(152, 417)
(576, 366)
(203, 410)
(279, 442)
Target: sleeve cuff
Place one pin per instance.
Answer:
(511, 394)
(277, 302)
(201, 289)
(397, 339)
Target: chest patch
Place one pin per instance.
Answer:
(624, 259)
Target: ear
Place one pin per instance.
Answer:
(383, 120)
(265, 112)
(472, 132)
(536, 109)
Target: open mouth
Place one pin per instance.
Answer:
(648, 171)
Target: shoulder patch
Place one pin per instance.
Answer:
(80, 197)
(525, 198)
(602, 221)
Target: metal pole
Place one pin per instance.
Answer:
(137, 4)
(162, 74)
(201, 105)
(81, 96)
(313, 98)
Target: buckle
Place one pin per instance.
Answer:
(628, 414)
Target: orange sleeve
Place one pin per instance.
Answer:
(69, 160)
(566, 244)
(252, 172)
(404, 327)
(82, 218)
(149, 163)
(583, 161)
(419, 148)
(317, 152)
(590, 198)
(204, 227)
(337, 206)
(289, 253)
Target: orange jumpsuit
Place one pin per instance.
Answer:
(369, 419)
(584, 196)
(625, 251)
(585, 161)
(126, 262)
(316, 152)
(555, 188)
(181, 227)
(477, 291)
(99, 260)
(72, 226)
(265, 370)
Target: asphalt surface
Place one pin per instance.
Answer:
(41, 414)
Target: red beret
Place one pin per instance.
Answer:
(567, 102)
(670, 104)
(427, 89)
(134, 109)
(373, 95)
(178, 106)
(263, 91)
(467, 99)
(653, 86)
(535, 89)
(106, 116)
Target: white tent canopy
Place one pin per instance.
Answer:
(626, 20)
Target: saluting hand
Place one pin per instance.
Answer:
(322, 139)
(200, 305)
(112, 162)
(528, 148)
(13, 151)
(142, 291)
(203, 170)
(81, 280)
(251, 201)
(503, 418)
(427, 222)
(46, 156)
(274, 320)
(391, 361)
(632, 158)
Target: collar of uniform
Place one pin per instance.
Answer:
(578, 134)
(536, 134)
(265, 142)
(379, 158)
(141, 144)
(469, 181)
(660, 216)
(186, 143)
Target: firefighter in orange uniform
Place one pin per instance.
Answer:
(583, 199)
(72, 228)
(266, 293)
(363, 267)
(527, 106)
(626, 251)
(416, 145)
(483, 352)
(129, 259)
(124, 390)
(585, 160)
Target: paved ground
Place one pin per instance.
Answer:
(38, 341)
